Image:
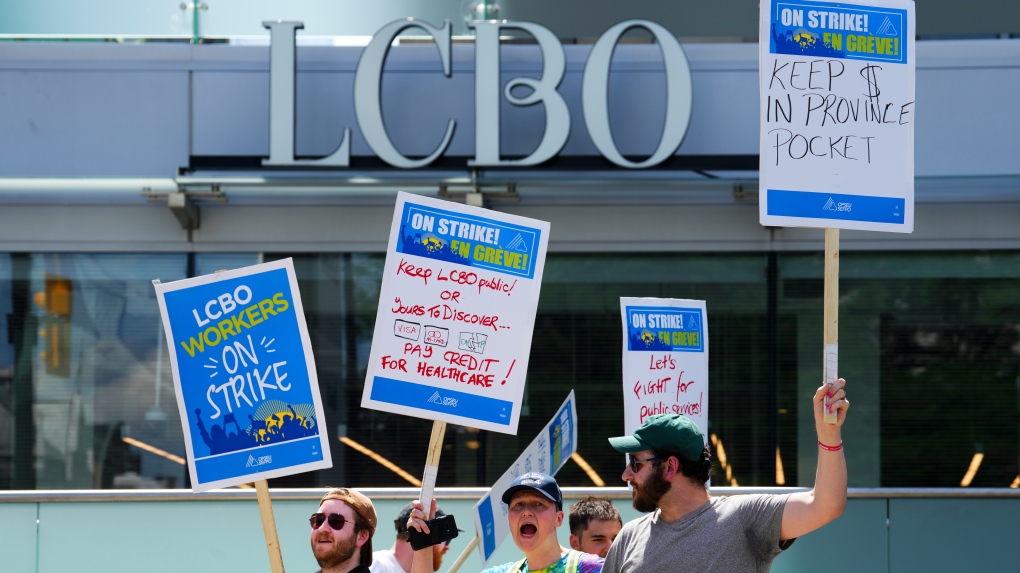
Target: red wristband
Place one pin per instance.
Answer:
(831, 448)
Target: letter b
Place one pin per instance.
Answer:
(543, 90)
(226, 302)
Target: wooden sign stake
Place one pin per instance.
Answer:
(428, 480)
(831, 316)
(269, 526)
(464, 555)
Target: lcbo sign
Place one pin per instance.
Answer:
(488, 96)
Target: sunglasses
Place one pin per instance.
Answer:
(336, 520)
(635, 464)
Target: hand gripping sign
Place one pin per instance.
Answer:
(665, 360)
(244, 375)
(456, 314)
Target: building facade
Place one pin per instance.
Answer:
(121, 163)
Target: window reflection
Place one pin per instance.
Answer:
(87, 397)
(91, 356)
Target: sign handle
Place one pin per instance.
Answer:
(831, 316)
(464, 555)
(269, 526)
(428, 481)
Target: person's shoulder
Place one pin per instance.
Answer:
(382, 560)
(750, 501)
(589, 563)
(500, 568)
(636, 524)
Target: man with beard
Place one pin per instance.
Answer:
(397, 559)
(535, 511)
(689, 530)
(342, 532)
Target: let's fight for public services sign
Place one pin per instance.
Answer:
(665, 360)
(456, 314)
(837, 114)
(244, 375)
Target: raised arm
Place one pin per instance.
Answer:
(807, 511)
(422, 562)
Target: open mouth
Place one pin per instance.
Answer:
(528, 530)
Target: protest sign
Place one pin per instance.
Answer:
(545, 454)
(665, 360)
(244, 374)
(456, 314)
(837, 114)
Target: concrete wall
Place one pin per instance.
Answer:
(94, 111)
(109, 110)
(880, 531)
(567, 18)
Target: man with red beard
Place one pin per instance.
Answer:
(535, 510)
(689, 530)
(342, 532)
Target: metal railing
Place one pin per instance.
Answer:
(177, 495)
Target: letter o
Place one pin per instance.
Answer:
(806, 147)
(229, 349)
(237, 294)
(595, 93)
(787, 16)
(208, 339)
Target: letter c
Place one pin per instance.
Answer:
(368, 91)
(209, 313)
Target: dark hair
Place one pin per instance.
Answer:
(698, 471)
(589, 509)
(366, 549)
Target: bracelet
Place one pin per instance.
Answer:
(831, 448)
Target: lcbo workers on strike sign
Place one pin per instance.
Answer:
(244, 374)
(837, 114)
(456, 314)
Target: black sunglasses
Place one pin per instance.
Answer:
(336, 520)
(636, 463)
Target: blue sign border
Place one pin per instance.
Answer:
(838, 206)
(432, 245)
(817, 48)
(643, 339)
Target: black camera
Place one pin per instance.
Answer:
(440, 529)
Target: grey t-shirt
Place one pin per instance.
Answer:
(732, 534)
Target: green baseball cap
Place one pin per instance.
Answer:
(674, 432)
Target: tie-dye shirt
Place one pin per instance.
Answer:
(588, 563)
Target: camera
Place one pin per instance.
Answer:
(440, 529)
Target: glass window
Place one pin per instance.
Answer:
(930, 348)
(93, 402)
(930, 345)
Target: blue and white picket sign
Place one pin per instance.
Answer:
(665, 360)
(837, 114)
(456, 314)
(545, 454)
(244, 375)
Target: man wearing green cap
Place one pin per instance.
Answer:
(689, 530)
